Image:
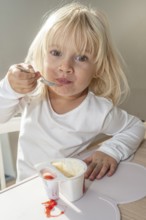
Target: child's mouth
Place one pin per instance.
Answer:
(63, 81)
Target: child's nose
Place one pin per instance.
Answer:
(66, 68)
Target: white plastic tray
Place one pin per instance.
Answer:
(128, 184)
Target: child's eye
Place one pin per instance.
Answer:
(55, 53)
(82, 58)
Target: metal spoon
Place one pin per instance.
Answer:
(42, 79)
(46, 82)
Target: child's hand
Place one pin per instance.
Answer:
(100, 164)
(23, 81)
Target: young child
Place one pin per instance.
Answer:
(73, 50)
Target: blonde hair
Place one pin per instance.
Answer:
(89, 30)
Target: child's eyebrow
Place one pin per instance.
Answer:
(54, 45)
(87, 51)
(84, 52)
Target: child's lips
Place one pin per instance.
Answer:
(63, 81)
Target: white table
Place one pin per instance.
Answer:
(24, 202)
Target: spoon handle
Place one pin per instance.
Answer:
(46, 82)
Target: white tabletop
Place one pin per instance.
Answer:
(24, 200)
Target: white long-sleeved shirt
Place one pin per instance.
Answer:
(44, 134)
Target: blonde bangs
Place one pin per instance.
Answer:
(75, 32)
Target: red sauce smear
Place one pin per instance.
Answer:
(48, 177)
(49, 206)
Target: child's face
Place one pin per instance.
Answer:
(71, 71)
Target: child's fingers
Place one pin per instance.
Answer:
(104, 169)
(108, 169)
(24, 72)
(112, 169)
(88, 160)
(90, 169)
(22, 78)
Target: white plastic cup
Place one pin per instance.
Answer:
(50, 184)
(49, 180)
(73, 188)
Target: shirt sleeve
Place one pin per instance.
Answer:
(127, 132)
(11, 102)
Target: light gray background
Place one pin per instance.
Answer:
(21, 19)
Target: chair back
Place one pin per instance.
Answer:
(11, 126)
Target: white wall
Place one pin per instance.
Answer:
(21, 19)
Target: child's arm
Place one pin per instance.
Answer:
(127, 131)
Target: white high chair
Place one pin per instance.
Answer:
(10, 126)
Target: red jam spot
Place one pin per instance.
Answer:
(48, 176)
(49, 206)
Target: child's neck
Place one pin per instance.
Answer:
(61, 104)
